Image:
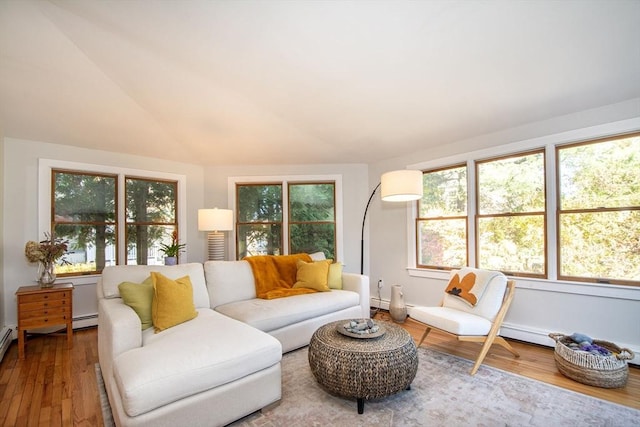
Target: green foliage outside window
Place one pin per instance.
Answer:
(442, 219)
(85, 213)
(312, 225)
(599, 217)
(511, 208)
(151, 214)
(310, 216)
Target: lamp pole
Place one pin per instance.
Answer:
(364, 218)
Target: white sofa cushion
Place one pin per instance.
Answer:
(268, 315)
(229, 281)
(452, 320)
(198, 355)
(113, 276)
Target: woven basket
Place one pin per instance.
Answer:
(600, 371)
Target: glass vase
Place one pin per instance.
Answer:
(46, 274)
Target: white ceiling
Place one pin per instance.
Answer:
(295, 82)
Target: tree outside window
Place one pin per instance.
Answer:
(151, 217)
(259, 217)
(442, 219)
(312, 223)
(510, 220)
(308, 218)
(85, 212)
(599, 210)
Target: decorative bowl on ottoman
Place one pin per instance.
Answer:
(607, 371)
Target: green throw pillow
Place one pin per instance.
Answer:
(139, 296)
(335, 276)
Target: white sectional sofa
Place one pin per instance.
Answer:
(221, 365)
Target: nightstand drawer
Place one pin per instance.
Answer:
(37, 322)
(51, 296)
(43, 305)
(43, 312)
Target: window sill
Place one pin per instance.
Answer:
(591, 289)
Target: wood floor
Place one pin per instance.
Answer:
(56, 386)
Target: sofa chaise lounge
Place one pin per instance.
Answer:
(223, 364)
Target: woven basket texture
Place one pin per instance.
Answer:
(591, 369)
(363, 368)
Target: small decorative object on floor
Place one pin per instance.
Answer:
(592, 362)
(397, 307)
(47, 253)
(172, 250)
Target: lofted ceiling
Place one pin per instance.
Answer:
(304, 82)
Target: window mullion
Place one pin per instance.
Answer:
(285, 217)
(472, 192)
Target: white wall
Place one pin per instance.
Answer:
(609, 313)
(20, 214)
(2, 180)
(354, 188)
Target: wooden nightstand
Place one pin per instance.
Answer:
(42, 307)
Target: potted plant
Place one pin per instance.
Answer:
(172, 250)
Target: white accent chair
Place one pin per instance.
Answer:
(480, 323)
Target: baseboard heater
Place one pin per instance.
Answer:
(5, 341)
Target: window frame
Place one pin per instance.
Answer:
(420, 219)
(291, 222)
(559, 211)
(284, 180)
(478, 216)
(45, 168)
(496, 148)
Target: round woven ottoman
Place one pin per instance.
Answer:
(363, 368)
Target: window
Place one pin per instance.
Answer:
(303, 216)
(259, 218)
(592, 213)
(312, 223)
(599, 210)
(85, 210)
(85, 213)
(442, 219)
(151, 216)
(510, 219)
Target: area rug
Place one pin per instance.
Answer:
(442, 394)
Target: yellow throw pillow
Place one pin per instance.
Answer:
(313, 275)
(172, 301)
(335, 276)
(139, 296)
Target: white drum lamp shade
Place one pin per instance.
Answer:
(215, 222)
(401, 186)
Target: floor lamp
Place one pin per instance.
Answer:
(397, 186)
(215, 222)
